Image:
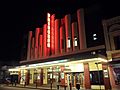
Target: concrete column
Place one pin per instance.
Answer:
(87, 76)
(106, 77)
(57, 36)
(36, 42)
(68, 33)
(81, 28)
(29, 45)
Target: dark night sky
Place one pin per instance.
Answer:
(17, 17)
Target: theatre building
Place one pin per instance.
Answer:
(58, 53)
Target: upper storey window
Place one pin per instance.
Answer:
(68, 43)
(117, 42)
(75, 41)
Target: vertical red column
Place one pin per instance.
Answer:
(45, 40)
(81, 28)
(68, 33)
(52, 34)
(36, 42)
(57, 36)
(29, 45)
(87, 76)
(75, 36)
(32, 48)
(40, 44)
(62, 39)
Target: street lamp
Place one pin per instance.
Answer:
(98, 73)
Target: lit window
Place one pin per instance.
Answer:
(94, 36)
(68, 43)
(75, 41)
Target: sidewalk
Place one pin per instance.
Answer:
(42, 87)
(32, 87)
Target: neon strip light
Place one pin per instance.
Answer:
(48, 30)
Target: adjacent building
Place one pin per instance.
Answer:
(112, 43)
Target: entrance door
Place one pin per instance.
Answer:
(74, 78)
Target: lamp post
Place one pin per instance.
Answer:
(98, 73)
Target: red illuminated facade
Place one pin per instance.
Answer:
(59, 36)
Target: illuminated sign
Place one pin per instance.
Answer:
(48, 30)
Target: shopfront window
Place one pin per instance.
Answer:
(68, 43)
(53, 74)
(117, 76)
(75, 41)
(96, 78)
(117, 41)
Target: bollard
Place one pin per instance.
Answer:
(51, 85)
(78, 86)
(70, 86)
(57, 87)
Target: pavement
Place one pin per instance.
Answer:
(38, 87)
(33, 87)
(28, 86)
